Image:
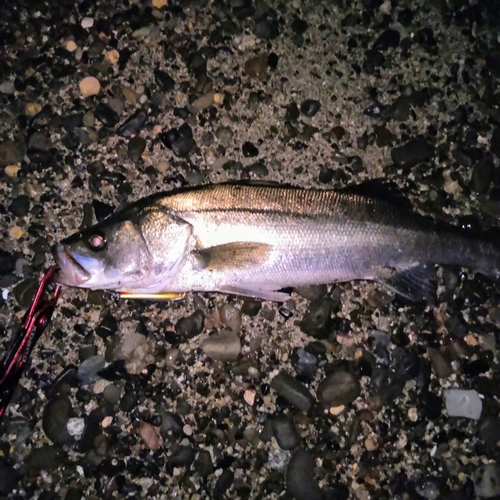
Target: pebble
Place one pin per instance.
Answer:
(249, 150)
(222, 346)
(230, 317)
(300, 481)
(310, 107)
(164, 81)
(285, 432)
(56, 416)
(293, 391)
(135, 148)
(112, 56)
(20, 205)
(463, 403)
(9, 477)
(182, 456)
(340, 387)
(256, 67)
(71, 46)
(87, 22)
(87, 371)
(413, 152)
(487, 481)
(89, 86)
(133, 124)
(442, 367)
(7, 87)
(190, 326)
(149, 435)
(7, 262)
(202, 102)
(11, 152)
(317, 320)
(179, 140)
(304, 363)
(106, 115)
(136, 350)
(389, 39)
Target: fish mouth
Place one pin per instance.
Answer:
(70, 272)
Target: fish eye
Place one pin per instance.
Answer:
(97, 242)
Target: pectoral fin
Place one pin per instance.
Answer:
(152, 296)
(238, 255)
(415, 284)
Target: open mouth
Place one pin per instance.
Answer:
(70, 271)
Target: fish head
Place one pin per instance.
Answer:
(105, 256)
(138, 250)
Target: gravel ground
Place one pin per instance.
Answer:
(341, 392)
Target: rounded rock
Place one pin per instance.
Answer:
(300, 481)
(222, 346)
(90, 86)
(338, 388)
(293, 391)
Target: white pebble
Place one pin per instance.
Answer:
(75, 427)
(463, 403)
(87, 22)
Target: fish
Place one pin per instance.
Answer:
(260, 241)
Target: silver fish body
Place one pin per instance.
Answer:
(256, 240)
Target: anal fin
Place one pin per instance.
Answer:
(257, 293)
(152, 296)
(416, 284)
(237, 255)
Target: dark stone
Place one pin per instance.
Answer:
(20, 206)
(136, 147)
(299, 26)
(107, 327)
(249, 150)
(11, 152)
(272, 61)
(191, 326)
(389, 39)
(106, 115)
(310, 107)
(285, 432)
(182, 456)
(317, 320)
(304, 363)
(9, 477)
(164, 81)
(267, 29)
(300, 480)
(7, 262)
(203, 465)
(180, 140)
(413, 152)
(55, 419)
(133, 125)
(223, 483)
(340, 387)
(292, 390)
(326, 175)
